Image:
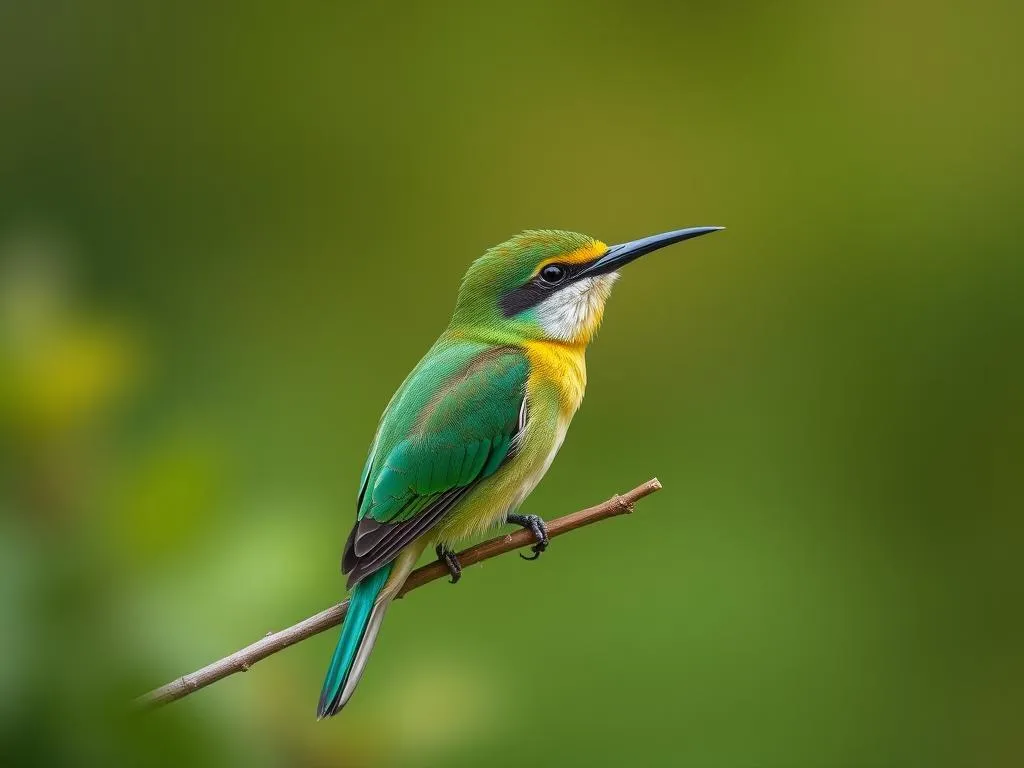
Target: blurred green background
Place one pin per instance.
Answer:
(227, 232)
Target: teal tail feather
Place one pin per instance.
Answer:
(358, 634)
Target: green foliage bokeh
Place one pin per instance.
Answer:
(226, 234)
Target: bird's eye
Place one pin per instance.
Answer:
(552, 274)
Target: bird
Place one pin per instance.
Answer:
(477, 423)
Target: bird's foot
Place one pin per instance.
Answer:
(537, 527)
(448, 557)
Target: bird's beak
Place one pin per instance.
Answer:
(619, 255)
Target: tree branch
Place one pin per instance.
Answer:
(242, 660)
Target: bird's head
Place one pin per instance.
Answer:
(549, 285)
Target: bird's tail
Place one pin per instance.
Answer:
(365, 614)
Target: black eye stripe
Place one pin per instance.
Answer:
(536, 289)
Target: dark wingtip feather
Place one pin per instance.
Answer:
(400, 534)
(349, 559)
(368, 533)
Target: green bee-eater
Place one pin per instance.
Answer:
(474, 427)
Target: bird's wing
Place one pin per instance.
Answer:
(452, 423)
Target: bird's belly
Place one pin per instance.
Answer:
(541, 466)
(488, 504)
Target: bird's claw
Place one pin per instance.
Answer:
(448, 557)
(536, 525)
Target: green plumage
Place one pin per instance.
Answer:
(449, 424)
(477, 423)
(359, 609)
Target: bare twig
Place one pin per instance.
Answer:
(242, 660)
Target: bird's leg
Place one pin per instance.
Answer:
(448, 557)
(537, 527)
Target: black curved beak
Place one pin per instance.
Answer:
(619, 255)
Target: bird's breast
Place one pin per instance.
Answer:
(558, 366)
(554, 391)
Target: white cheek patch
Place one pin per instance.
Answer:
(575, 310)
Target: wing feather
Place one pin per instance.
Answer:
(455, 421)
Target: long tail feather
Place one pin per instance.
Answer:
(357, 637)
